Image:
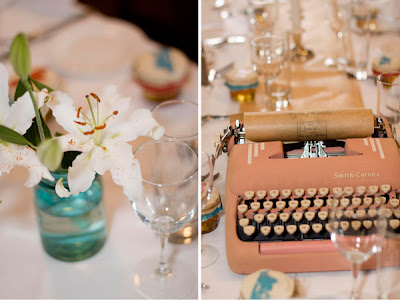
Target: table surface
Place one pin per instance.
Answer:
(323, 87)
(27, 272)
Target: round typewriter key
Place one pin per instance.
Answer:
(348, 213)
(344, 202)
(337, 191)
(394, 202)
(297, 216)
(356, 225)
(259, 218)
(261, 194)
(348, 191)
(309, 215)
(311, 192)
(274, 193)
(242, 208)
(249, 230)
(249, 195)
(372, 212)
(328, 227)
(305, 204)
(344, 225)
(255, 206)
(394, 223)
(317, 228)
(388, 212)
(361, 213)
(385, 188)
(396, 213)
(286, 193)
(377, 223)
(244, 222)
(331, 202)
(335, 225)
(318, 203)
(265, 230)
(368, 201)
(284, 216)
(271, 217)
(379, 200)
(280, 204)
(299, 192)
(268, 205)
(339, 214)
(323, 215)
(356, 202)
(373, 189)
(293, 204)
(361, 190)
(367, 224)
(304, 228)
(324, 191)
(291, 229)
(279, 229)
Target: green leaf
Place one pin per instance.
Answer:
(21, 90)
(32, 134)
(50, 153)
(68, 158)
(41, 86)
(20, 56)
(12, 136)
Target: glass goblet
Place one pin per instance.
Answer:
(168, 201)
(263, 15)
(268, 54)
(356, 236)
(209, 254)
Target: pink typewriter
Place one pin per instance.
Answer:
(285, 168)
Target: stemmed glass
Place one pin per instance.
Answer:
(167, 202)
(268, 55)
(263, 15)
(357, 234)
(209, 254)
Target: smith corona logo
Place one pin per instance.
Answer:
(358, 174)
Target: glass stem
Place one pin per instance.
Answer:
(379, 284)
(163, 268)
(267, 91)
(355, 269)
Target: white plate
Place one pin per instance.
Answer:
(96, 48)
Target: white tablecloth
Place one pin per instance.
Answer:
(26, 271)
(225, 284)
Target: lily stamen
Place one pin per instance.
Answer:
(100, 127)
(91, 110)
(80, 123)
(79, 111)
(95, 96)
(111, 115)
(89, 132)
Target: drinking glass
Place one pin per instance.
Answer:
(356, 236)
(167, 202)
(263, 15)
(209, 254)
(269, 54)
(389, 97)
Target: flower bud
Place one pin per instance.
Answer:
(20, 56)
(50, 154)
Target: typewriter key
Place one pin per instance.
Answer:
(388, 212)
(345, 202)
(312, 192)
(265, 230)
(309, 215)
(299, 192)
(368, 201)
(372, 212)
(318, 203)
(280, 204)
(304, 228)
(291, 229)
(324, 191)
(317, 228)
(244, 222)
(356, 202)
(385, 188)
(339, 214)
(361, 190)
(356, 225)
(323, 215)
(255, 206)
(379, 200)
(367, 224)
(284, 216)
(279, 229)
(305, 204)
(268, 205)
(361, 213)
(259, 218)
(261, 194)
(242, 208)
(271, 217)
(378, 223)
(249, 230)
(293, 204)
(331, 202)
(328, 227)
(396, 213)
(373, 189)
(394, 223)
(274, 193)
(249, 195)
(286, 193)
(348, 191)
(344, 225)
(348, 213)
(337, 191)
(394, 202)
(297, 216)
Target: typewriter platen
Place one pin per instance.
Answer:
(278, 192)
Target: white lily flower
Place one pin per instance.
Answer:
(101, 134)
(19, 117)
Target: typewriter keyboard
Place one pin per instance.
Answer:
(302, 214)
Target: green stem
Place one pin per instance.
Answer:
(38, 118)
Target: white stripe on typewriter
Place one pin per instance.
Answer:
(249, 153)
(372, 144)
(365, 141)
(262, 146)
(378, 143)
(255, 149)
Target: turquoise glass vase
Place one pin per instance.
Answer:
(72, 228)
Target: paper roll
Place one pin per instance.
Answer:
(308, 125)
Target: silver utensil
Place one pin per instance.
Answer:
(215, 74)
(206, 118)
(220, 41)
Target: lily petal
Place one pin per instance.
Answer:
(17, 155)
(71, 142)
(81, 174)
(61, 191)
(22, 112)
(4, 101)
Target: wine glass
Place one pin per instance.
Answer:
(357, 233)
(263, 15)
(167, 202)
(209, 254)
(269, 54)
